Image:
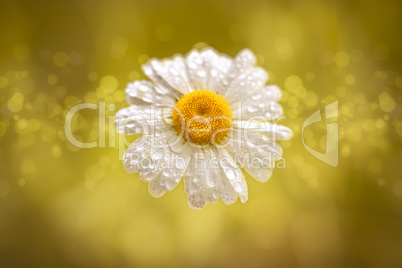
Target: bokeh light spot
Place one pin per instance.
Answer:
(283, 48)
(381, 182)
(345, 151)
(21, 182)
(52, 79)
(350, 79)
(326, 58)
(341, 91)
(119, 96)
(70, 101)
(119, 48)
(293, 101)
(28, 166)
(60, 59)
(21, 124)
(298, 160)
(341, 59)
(92, 76)
(109, 83)
(61, 91)
(48, 134)
(310, 76)
(16, 102)
(301, 92)
(386, 102)
(75, 58)
(397, 188)
(292, 83)
(56, 151)
(261, 60)
(353, 133)
(3, 82)
(311, 99)
(33, 125)
(285, 96)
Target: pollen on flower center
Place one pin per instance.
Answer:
(202, 117)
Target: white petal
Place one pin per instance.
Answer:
(262, 103)
(153, 158)
(270, 92)
(143, 148)
(143, 119)
(243, 61)
(219, 66)
(273, 131)
(134, 153)
(155, 187)
(141, 91)
(198, 68)
(200, 182)
(246, 83)
(213, 173)
(207, 69)
(211, 70)
(172, 169)
(255, 153)
(194, 184)
(169, 73)
(233, 174)
(224, 70)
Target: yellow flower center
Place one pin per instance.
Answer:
(202, 117)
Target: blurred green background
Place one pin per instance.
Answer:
(61, 206)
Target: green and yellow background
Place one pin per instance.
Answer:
(61, 206)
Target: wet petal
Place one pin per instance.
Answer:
(143, 92)
(169, 73)
(271, 130)
(262, 103)
(172, 169)
(246, 83)
(243, 61)
(143, 119)
(213, 174)
(255, 153)
(235, 177)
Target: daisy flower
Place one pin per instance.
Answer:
(203, 118)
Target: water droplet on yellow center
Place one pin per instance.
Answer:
(202, 117)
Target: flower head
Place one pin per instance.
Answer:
(200, 114)
(203, 117)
